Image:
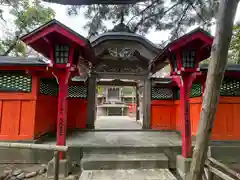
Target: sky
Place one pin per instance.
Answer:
(77, 22)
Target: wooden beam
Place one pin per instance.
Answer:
(137, 103)
(116, 75)
(147, 104)
(91, 106)
(219, 173)
(225, 168)
(108, 61)
(116, 83)
(47, 147)
(90, 2)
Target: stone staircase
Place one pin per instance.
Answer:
(123, 165)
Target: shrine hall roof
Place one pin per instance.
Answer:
(123, 36)
(21, 61)
(50, 23)
(189, 34)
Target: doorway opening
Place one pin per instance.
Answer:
(116, 107)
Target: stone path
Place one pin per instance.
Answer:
(116, 122)
(121, 139)
(133, 174)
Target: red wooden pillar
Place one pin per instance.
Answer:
(185, 115)
(62, 109)
(184, 82)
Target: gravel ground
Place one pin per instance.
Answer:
(38, 170)
(21, 170)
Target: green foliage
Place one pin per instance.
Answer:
(100, 89)
(235, 45)
(27, 15)
(173, 15)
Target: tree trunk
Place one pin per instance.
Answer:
(215, 75)
(238, 58)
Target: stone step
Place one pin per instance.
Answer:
(130, 149)
(124, 161)
(131, 174)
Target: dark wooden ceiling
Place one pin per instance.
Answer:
(89, 2)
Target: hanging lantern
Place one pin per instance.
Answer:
(189, 58)
(61, 54)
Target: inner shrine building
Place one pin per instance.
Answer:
(41, 95)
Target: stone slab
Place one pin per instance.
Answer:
(132, 174)
(124, 161)
(231, 153)
(24, 156)
(183, 166)
(117, 122)
(120, 139)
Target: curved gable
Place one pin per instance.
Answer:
(43, 38)
(124, 40)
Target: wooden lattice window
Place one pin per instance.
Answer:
(48, 87)
(196, 90)
(61, 54)
(78, 91)
(159, 93)
(15, 82)
(189, 59)
(230, 87)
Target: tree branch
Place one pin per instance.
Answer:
(175, 34)
(90, 30)
(13, 45)
(199, 15)
(144, 10)
(153, 15)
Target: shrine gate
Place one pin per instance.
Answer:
(41, 95)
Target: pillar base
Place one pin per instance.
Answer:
(183, 166)
(146, 127)
(64, 168)
(90, 126)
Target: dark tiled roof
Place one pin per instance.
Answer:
(21, 61)
(230, 67)
(123, 36)
(50, 23)
(88, 2)
(198, 29)
(121, 27)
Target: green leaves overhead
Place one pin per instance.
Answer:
(173, 15)
(27, 15)
(235, 45)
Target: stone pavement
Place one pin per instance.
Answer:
(116, 122)
(120, 139)
(133, 174)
